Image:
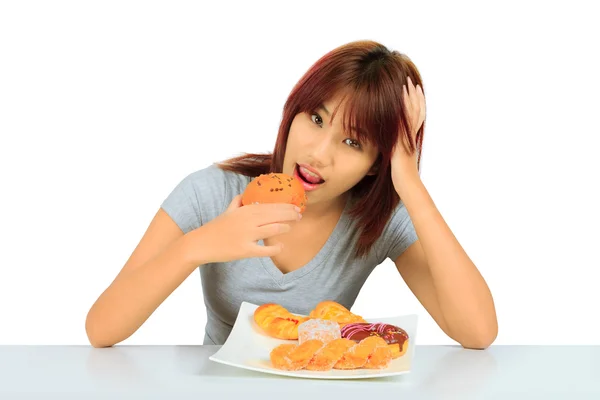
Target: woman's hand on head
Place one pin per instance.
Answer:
(403, 161)
(235, 234)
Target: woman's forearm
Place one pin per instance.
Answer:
(464, 297)
(133, 296)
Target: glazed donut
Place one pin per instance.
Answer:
(316, 355)
(395, 337)
(275, 188)
(278, 322)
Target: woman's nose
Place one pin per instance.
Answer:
(322, 150)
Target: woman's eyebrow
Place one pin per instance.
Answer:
(322, 107)
(353, 128)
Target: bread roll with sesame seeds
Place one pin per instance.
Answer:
(275, 188)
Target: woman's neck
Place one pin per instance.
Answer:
(322, 210)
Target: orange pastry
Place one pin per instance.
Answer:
(278, 322)
(359, 355)
(316, 355)
(280, 356)
(334, 311)
(380, 358)
(293, 357)
(328, 355)
(275, 188)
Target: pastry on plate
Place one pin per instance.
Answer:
(315, 355)
(278, 322)
(395, 337)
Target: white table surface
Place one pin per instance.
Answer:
(185, 372)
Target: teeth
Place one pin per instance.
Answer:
(307, 172)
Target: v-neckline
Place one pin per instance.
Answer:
(283, 278)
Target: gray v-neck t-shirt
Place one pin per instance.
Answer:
(332, 274)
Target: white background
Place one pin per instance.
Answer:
(106, 106)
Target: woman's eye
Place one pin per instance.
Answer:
(313, 115)
(316, 118)
(352, 142)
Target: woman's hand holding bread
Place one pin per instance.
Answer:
(267, 208)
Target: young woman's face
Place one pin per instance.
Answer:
(317, 143)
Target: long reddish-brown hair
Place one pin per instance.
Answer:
(372, 76)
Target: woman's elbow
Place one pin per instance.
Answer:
(95, 336)
(481, 340)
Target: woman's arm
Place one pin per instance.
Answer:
(442, 276)
(165, 257)
(436, 268)
(158, 265)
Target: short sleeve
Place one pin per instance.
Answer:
(197, 198)
(398, 234)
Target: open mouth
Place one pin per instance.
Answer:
(309, 180)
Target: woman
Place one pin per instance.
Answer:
(352, 131)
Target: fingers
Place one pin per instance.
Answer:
(408, 97)
(264, 214)
(411, 87)
(405, 94)
(267, 231)
(414, 101)
(236, 202)
(268, 251)
(414, 94)
(422, 100)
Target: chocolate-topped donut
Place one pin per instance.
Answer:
(390, 333)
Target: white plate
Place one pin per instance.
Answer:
(249, 348)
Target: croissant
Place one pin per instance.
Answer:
(278, 322)
(333, 311)
(372, 352)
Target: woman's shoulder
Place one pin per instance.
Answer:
(202, 195)
(218, 180)
(397, 235)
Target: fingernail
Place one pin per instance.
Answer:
(297, 208)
